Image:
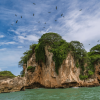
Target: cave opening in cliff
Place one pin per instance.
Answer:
(22, 89)
(99, 73)
(34, 85)
(99, 81)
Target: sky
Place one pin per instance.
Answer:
(80, 22)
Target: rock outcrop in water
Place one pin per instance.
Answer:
(45, 75)
(12, 85)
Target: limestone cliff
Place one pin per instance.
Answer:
(45, 75)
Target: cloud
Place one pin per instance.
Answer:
(1, 36)
(32, 38)
(2, 43)
(16, 32)
(20, 46)
(2, 49)
(10, 57)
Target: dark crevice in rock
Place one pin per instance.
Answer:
(71, 84)
(99, 73)
(40, 65)
(22, 89)
(34, 85)
(98, 80)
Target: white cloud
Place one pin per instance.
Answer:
(1, 36)
(11, 57)
(2, 49)
(16, 32)
(2, 43)
(20, 47)
(32, 38)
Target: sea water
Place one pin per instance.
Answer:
(83, 93)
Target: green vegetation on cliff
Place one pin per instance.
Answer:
(22, 73)
(60, 49)
(31, 68)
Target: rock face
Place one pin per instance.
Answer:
(12, 85)
(45, 75)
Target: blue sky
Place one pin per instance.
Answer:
(76, 25)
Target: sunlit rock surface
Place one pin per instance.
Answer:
(12, 85)
(45, 76)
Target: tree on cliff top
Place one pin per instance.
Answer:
(94, 55)
(50, 38)
(60, 49)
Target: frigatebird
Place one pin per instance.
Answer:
(61, 14)
(16, 21)
(56, 7)
(21, 16)
(80, 9)
(34, 3)
(15, 15)
(49, 12)
(33, 14)
(55, 20)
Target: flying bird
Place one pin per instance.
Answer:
(16, 21)
(49, 12)
(11, 24)
(56, 7)
(89, 44)
(15, 15)
(34, 3)
(98, 41)
(33, 14)
(80, 9)
(43, 27)
(55, 20)
(21, 16)
(39, 22)
(61, 14)
(45, 22)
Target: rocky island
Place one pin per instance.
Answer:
(55, 63)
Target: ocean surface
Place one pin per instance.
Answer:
(83, 93)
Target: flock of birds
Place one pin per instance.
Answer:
(33, 15)
(39, 21)
(45, 22)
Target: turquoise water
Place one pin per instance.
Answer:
(84, 93)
